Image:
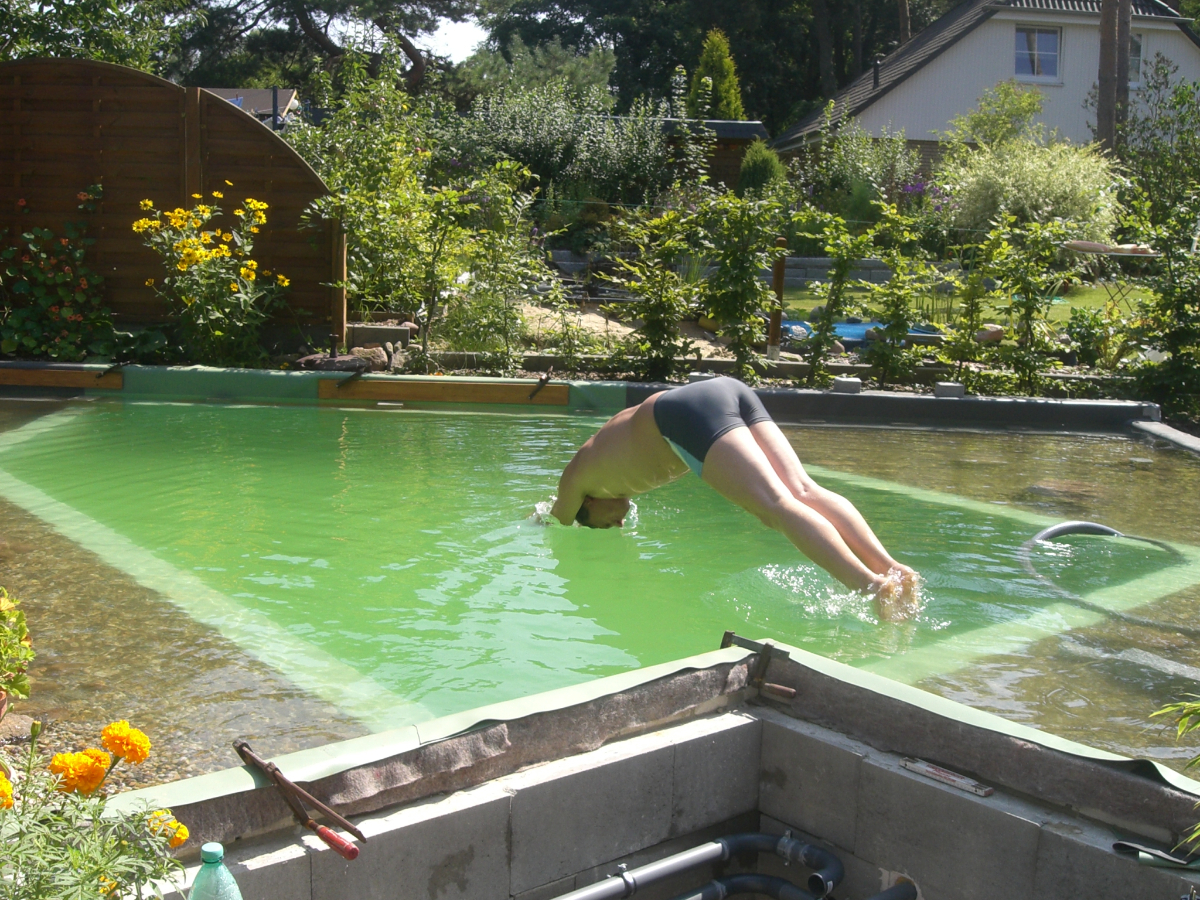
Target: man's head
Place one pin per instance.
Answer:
(598, 512)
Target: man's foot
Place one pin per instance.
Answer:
(897, 594)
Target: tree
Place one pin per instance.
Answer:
(137, 33)
(488, 71)
(1121, 103)
(715, 92)
(905, 21)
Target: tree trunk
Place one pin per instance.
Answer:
(856, 37)
(1121, 107)
(905, 22)
(820, 13)
(1106, 96)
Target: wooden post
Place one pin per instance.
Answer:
(193, 180)
(777, 279)
(337, 285)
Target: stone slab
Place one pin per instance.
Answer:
(715, 775)
(953, 844)
(575, 813)
(450, 849)
(810, 778)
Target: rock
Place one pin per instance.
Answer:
(14, 728)
(413, 328)
(375, 357)
(321, 362)
(989, 334)
(872, 334)
(838, 348)
(1064, 339)
(847, 385)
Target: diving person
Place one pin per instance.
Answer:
(719, 429)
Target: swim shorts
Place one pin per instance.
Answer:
(692, 417)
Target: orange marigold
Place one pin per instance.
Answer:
(163, 822)
(6, 792)
(82, 772)
(126, 742)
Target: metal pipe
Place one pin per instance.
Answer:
(828, 869)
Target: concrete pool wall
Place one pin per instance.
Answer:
(538, 797)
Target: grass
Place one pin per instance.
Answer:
(798, 302)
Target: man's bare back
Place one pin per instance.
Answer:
(720, 430)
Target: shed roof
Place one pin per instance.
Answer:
(906, 60)
(258, 101)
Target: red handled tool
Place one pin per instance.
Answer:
(296, 797)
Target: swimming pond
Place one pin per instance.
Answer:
(295, 574)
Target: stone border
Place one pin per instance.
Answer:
(1167, 433)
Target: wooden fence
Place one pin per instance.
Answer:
(67, 124)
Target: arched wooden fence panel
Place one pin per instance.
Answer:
(67, 124)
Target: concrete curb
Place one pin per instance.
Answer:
(1167, 433)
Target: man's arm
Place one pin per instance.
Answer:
(571, 494)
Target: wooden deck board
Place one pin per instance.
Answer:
(113, 381)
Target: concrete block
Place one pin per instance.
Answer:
(863, 879)
(951, 843)
(450, 849)
(949, 389)
(844, 385)
(548, 891)
(810, 778)
(359, 334)
(716, 770)
(578, 812)
(280, 870)
(1076, 859)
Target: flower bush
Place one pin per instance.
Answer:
(220, 296)
(16, 652)
(62, 843)
(51, 304)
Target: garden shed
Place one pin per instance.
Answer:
(69, 124)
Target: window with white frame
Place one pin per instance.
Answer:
(1135, 60)
(1037, 53)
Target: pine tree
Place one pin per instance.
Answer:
(715, 93)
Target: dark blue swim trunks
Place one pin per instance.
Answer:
(692, 417)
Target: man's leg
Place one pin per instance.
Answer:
(738, 469)
(837, 509)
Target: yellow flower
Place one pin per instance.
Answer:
(181, 266)
(195, 223)
(267, 272)
(147, 204)
(227, 237)
(218, 195)
(283, 282)
(260, 218)
(206, 237)
(205, 211)
(163, 822)
(82, 772)
(246, 273)
(239, 212)
(107, 886)
(6, 792)
(251, 264)
(126, 742)
(144, 224)
(197, 196)
(233, 286)
(228, 182)
(149, 282)
(254, 229)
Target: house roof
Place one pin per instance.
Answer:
(930, 43)
(258, 101)
(727, 129)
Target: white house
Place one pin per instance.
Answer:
(1053, 45)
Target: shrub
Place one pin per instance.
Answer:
(663, 295)
(1032, 182)
(1005, 113)
(51, 303)
(895, 302)
(847, 172)
(16, 650)
(214, 287)
(738, 237)
(761, 169)
(1186, 715)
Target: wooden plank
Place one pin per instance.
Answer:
(192, 177)
(133, 94)
(446, 391)
(113, 381)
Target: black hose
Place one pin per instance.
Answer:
(1078, 527)
(779, 888)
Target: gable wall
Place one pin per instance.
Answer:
(951, 84)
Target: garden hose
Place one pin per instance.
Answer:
(1078, 527)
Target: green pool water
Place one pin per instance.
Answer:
(384, 561)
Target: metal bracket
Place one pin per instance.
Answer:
(766, 652)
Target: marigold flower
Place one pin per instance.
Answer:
(163, 822)
(126, 742)
(147, 204)
(81, 772)
(107, 886)
(6, 792)
(283, 281)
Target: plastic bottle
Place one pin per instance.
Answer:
(214, 881)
